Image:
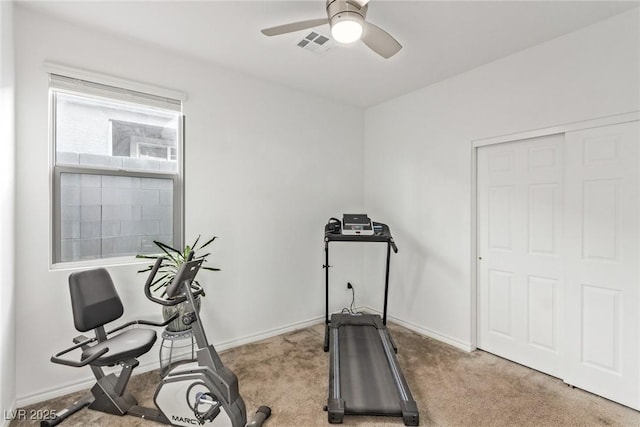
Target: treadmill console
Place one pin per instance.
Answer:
(356, 225)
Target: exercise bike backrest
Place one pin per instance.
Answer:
(183, 282)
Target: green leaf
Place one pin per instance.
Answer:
(170, 263)
(160, 283)
(166, 247)
(211, 240)
(196, 242)
(147, 256)
(171, 258)
(187, 250)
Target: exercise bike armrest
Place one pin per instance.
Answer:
(82, 339)
(144, 322)
(165, 323)
(56, 358)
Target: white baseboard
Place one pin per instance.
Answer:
(74, 386)
(87, 382)
(433, 334)
(426, 332)
(269, 333)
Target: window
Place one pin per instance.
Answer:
(116, 171)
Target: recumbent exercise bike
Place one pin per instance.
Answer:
(199, 392)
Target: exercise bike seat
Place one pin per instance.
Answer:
(95, 302)
(126, 345)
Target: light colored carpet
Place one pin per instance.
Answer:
(289, 373)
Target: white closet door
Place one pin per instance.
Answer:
(601, 275)
(520, 199)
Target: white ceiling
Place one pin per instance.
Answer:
(440, 38)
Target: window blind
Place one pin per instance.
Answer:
(76, 85)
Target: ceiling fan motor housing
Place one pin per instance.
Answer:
(338, 10)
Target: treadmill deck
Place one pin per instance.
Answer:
(365, 376)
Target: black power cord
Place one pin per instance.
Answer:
(352, 308)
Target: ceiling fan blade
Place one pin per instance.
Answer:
(294, 26)
(380, 41)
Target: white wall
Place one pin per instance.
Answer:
(261, 173)
(418, 157)
(7, 212)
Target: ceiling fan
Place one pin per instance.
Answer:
(348, 24)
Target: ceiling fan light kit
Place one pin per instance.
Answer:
(345, 28)
(347, 19)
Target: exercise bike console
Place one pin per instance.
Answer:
(187, 272)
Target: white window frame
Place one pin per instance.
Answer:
(92, 85)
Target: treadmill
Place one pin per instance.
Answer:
(364, 375)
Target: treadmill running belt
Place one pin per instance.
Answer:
(367, 384)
